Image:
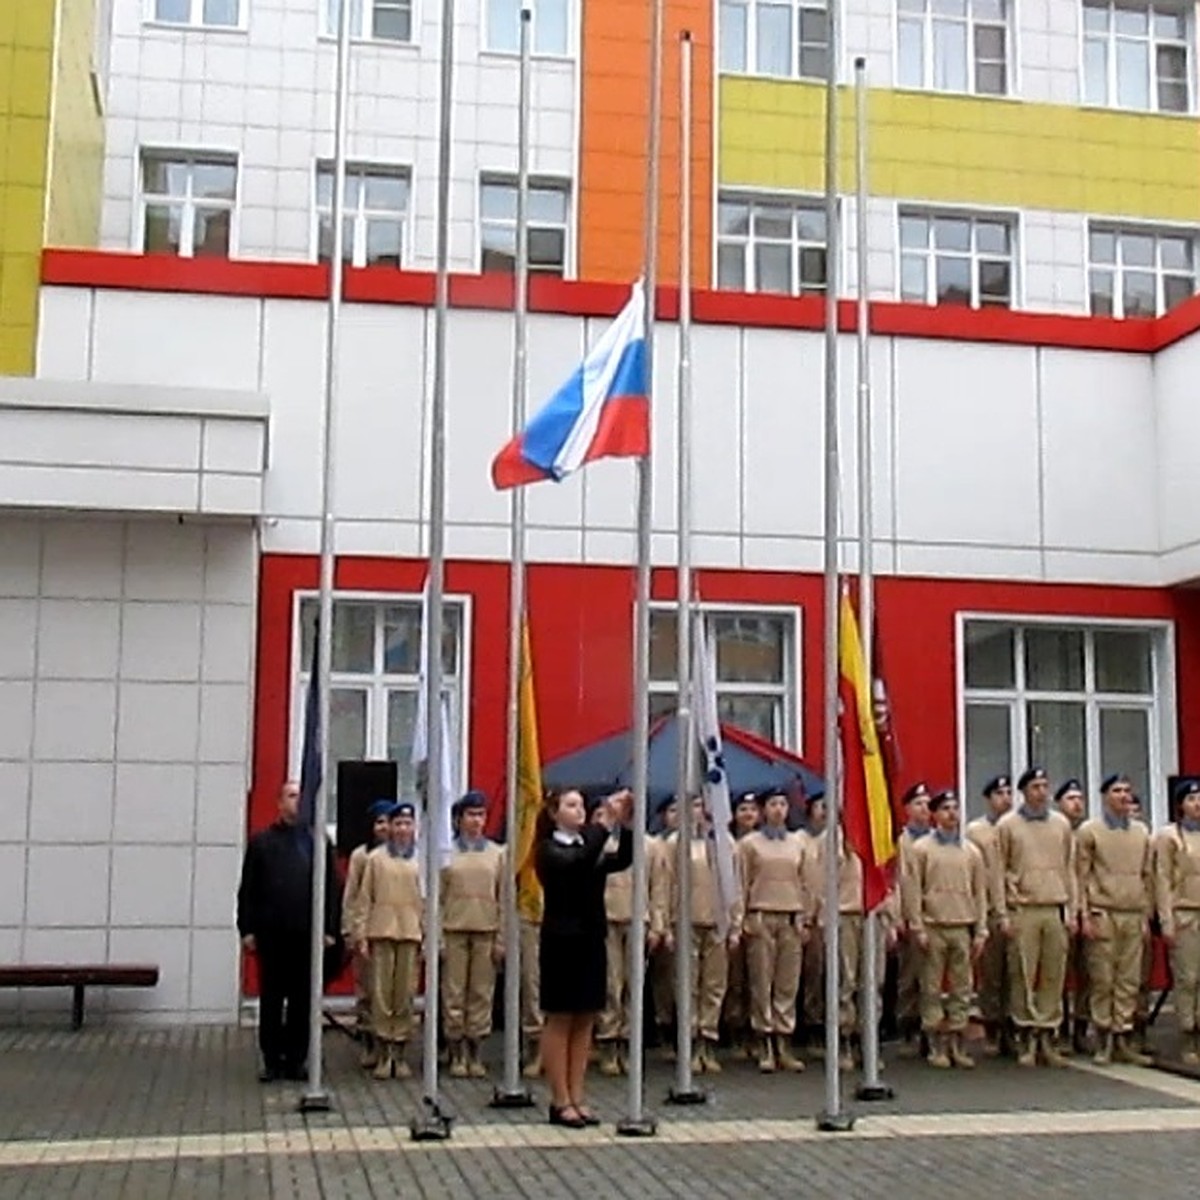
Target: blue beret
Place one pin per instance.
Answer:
(1185, 788)
(996, 783)
(664, 804)
(1031, 775)
(745, 798)
(772, 793)
(403, 808)
(942, 797)
(915, 792)
(1068, 785)
(1112, 780)
(380, 808)
(473, 800)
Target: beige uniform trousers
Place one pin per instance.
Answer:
(850, 950)
(737, 991)
(946, 979)
(364, 993)
(1114, 967)
(1037, 966)
(393, 983)
(614, 1020)
(773, 963)
(531, 979)
(468, 985)
(812, 975)
(991, 973)
(710, 976)
(1185, 968)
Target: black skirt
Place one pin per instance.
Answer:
(574, 972)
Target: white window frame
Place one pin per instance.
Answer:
(1146, 229)
(1011, 217)
(362, 29)
(193, 156)
(1110, 60)
(568, 54)
(361, 214)
(752, 65)
(752, 196)
(1163, 741)
(928, 72)
(546, 182)
(379, 683)
(790, 691)
(196, 18)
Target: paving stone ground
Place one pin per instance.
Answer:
(121, 1112)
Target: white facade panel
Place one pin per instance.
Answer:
(1176, 370)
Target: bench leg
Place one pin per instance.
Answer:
(77, 1006)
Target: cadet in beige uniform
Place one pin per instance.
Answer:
(662, 941)
(612, 1027)
(746, 816)
(908, 984)
(379, 812)
(945, 900)
(777, 916)
(812, 963)
(388, 929)
(1069, 799)
(1037, 857)
(1115, 868)
(1177, 890)
(471, 887)
(992, 964)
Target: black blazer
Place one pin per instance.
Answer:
(573, 879)
(275, 895)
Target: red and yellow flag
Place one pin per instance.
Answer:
(529, 788)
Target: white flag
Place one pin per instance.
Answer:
(716, 782)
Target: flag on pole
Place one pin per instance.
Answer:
(867, 811)
(885, 728)
(602, 411)
(310, 753)
(716, 782)
(529, 788)
(441, 838)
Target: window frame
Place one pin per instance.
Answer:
(209, 155)
(752, 68)
(790, 691)
(1111, 78)
(1013, 217)
(379, 684)
(327, 29)
(752, 196)
(1162, 706)
(1156, 230)
(1011, 55)
(196, 18)
(569, 54)
(559, 183)
(361, 215)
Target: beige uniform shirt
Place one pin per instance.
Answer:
(1037, 858)
(1115, 867)
(391, 905)
(946, 884)
(983, 834)
(472, 884)
(773, 871)
(850, 878)
(706, 896)
(1176, 874)
(352, 893)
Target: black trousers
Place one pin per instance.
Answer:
(284, 1003)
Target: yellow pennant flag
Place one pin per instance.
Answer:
(529, 789)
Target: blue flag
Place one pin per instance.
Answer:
(310, 754)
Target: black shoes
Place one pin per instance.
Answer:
(569, 1117)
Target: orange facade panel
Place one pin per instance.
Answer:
(614, 139)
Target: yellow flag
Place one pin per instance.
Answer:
(529, 788)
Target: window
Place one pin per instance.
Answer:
(188, 203)
(1136, 55)
(1079, 701)
(548, 29)
(376, 210)
(774, 37)
(375, 681)
(548, 225)
(755, 651)
(948, 258)
(216, 14)
(381, 20)
(1139, 272)
(953, 45)
(771, 244)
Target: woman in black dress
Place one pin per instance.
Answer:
(573, 860)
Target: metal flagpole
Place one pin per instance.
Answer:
(432, 1124)
(315, 1097)
(834, 1118)
(511, 1094)
(871, 1087)
(684, 1091)
(636, 1123)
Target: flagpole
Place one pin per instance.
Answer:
(871, 1087)
(511, 1094)
(432, 1124)
(636, 1123)
(833, 1119)
(684, 1091)
(316, 1098)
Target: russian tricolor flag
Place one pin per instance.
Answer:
(602, 411)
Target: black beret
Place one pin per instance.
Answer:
(1186, 788)
(942, 797)
(1112, 780)
(1068, 785)
(996, 783)
(916, 792)
(1030, 775)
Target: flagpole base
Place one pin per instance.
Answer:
(433, 1125)
(687, 1096)
(637, 1127)
(503, 1097)
(873, 1092)
(841, 1122)
(315, 1101)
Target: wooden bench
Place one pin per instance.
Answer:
(78, 978)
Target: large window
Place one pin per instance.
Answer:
(1139, 272)
(774, 37)
(215, 14)
(1137, 55)
(771, 244)
(187, 204)
(376, 214)
(1080, 701)
(381, 20)
(755, 652)
(548, 225)
(956, 258)
(953, 45)
(375, 681)
(549, 29)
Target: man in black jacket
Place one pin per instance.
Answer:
(274, 917)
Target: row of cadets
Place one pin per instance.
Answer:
(746, 815)
(1070, 800)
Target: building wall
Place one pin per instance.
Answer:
(125, 690)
